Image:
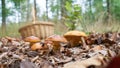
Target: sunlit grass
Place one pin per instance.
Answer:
(99, 26)
(11, 30)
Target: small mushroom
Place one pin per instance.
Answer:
(38, 46)
(10, 39)
(56, 40)
(32, 39)
(74, 37)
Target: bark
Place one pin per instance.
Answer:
(108, 11)
(28, 11)
(35, 13)
(46, 9)
(62, 10)
(3, 17)
(58, 10)
(90, 5)
(91, 15)
(108, 6)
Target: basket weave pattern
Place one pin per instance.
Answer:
(41, 30)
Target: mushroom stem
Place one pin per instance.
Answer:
(31, 43)
(73, 43)
(83, 41)
(56, 46)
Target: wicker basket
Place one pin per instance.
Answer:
(39, 29)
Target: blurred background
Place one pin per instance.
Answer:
(85, 15)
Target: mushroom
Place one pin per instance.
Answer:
(32, 40)
(74, 37)
(56, 40)
(10, 39)
(38, 46)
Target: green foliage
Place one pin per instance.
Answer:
(115, 11)
(73, 15)
(54, 6)
(17, 3)
(8, 12)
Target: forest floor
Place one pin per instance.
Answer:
(100, 49)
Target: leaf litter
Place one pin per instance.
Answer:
(101, 48)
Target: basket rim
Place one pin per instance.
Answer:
(37, 23)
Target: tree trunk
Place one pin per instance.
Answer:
(108, 11)
(90, 11)
(46, 9)
(3, 17)
(35, 11)
(108, 6)
(28, 11)
(58, 10)
(62, 10)
(90, 5)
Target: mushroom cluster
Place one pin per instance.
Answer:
(34, 42)
(74, 38)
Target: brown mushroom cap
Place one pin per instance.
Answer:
(74, 37)
(36, 46)
(32, 39)
(10, 38)
(56, 38)
(75, 33)
(39, 46)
